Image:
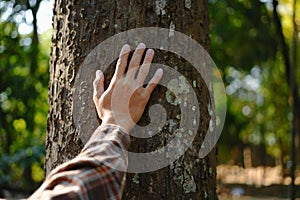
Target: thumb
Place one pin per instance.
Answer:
(98, 85)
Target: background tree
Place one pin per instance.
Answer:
(78, 27)
(265, 114)
(259, 115)
(23, 96)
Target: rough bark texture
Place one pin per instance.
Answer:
(78, 27)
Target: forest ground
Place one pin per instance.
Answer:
(235, 182)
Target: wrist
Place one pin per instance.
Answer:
(108, 120)
(111, 121)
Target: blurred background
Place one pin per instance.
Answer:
(256, 48)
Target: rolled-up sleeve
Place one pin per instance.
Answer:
(98, 172)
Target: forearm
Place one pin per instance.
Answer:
(93, 173)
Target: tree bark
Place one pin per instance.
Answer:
(78, 27)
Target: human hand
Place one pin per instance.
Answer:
(124, 101)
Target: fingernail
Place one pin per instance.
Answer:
(141, 46)
(98, 73)
(150, 52)
(160, 71)
(126, 48)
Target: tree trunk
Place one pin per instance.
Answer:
(78, 27)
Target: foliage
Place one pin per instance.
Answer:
(23, 97)
(245, 47)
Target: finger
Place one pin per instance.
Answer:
(98, 85)
(154, 81)
(136, 59)
(122, 63)
(144, 70)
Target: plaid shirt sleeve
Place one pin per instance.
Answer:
(98, 172)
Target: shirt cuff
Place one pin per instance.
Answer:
(109, 132)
